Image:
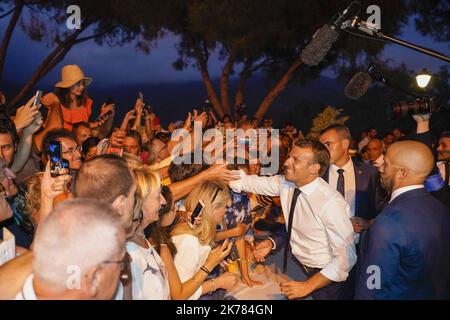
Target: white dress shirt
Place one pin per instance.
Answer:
(399, 191)
(349, 180)
(322, 234)
(190, 257)
(379, 162)
(27, 292)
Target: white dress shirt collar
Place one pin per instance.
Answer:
(400, 191)
(347, 167)
(379, 161)
(310, 187)
(27, 292)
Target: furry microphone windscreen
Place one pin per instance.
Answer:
(358, 85)
(319, 46)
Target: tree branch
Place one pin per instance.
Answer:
(201, 56)
(224, 80)
(8, 34)
(7, 13)
(278, 88)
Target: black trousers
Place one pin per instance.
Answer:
(333, 291)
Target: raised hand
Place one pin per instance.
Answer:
(219, 172)
(26, 115)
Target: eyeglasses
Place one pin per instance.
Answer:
(124, 267)
(72, 150)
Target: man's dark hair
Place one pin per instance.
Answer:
(321, 153)
(103, 178)
(445, 134)
(79, 125)
(163, 136)
(136, 135)
(53, 135)
(7, 127)
(341, 130)
(183, 171)
(89, 143)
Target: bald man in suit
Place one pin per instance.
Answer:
(406, 252)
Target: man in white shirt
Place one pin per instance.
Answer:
(375, 152)
(318, 221)
(78, 254)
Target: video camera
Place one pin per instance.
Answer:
(418, 106)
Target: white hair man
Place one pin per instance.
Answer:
(79, 253)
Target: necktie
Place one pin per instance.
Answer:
(341, 182)
(447, 172)
(291, 218)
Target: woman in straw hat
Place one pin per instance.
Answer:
(71, 94)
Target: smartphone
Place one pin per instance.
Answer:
(148, 109)
(37, 99)
(198, 209)
(116, 151)
(141, 96)
(109, 100)
(234, 254)
(55, 157)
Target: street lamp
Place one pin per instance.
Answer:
(423, 79)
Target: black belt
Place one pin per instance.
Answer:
(311, 271)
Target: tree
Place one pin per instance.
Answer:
(432, 18)
(263, 35)
(15, 11)
(329, 116)
(45, 21)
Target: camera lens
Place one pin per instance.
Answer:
(415, 107)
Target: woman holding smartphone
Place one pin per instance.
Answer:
(71, 94)
(193, 245)
(156, 234)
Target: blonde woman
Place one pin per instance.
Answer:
(156, 234)
(149, 274)
(193, 244)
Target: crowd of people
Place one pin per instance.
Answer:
(108, 213)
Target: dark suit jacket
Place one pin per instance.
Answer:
(409, 242)
(370, 197)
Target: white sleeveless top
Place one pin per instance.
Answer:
(149, 274)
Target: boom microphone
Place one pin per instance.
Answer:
(319, 46)
(325, 37)
(358, 85)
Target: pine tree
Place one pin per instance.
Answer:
(329, 116)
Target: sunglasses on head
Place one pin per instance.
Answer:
(216, 193)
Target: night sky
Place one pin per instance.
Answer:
(124, 65)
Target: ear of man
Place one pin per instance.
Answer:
(119, 205)
(94, 278)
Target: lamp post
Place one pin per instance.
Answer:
(423, 79)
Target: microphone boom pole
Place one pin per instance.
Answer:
(376, 34)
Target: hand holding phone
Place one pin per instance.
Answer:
(37, 99)
(58, 165)
(197, 211)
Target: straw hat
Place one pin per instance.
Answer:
(70, 75)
